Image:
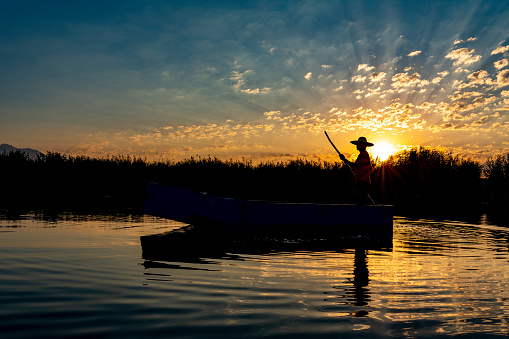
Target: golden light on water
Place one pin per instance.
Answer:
(383, 150)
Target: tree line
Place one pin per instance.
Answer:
(416, 177)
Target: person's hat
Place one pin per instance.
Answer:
(361, 140)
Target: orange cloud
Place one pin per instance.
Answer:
(414, 53)
(458, 41)
(377, 76)
(478, 78)
(365, 67)
(463, 96)
(500, 50)
(463, 56)
(501, 63)
(503, 78)
(405, 80)
(358, 78)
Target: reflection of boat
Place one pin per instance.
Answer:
(201, 248)
(195, 207)
(196, 243)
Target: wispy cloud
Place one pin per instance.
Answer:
(500, 50)
(365, 67)
(459, 41)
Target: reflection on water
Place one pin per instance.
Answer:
(361, 278)
(83, 276)
(195, 244)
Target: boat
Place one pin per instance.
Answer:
(199, 208)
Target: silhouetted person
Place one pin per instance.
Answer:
(362, 170)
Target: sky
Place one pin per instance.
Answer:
(255, 79)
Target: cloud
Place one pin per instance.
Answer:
(463, 106)
(372, 92)
(477, 123)
(500, 50)
(503, 78)
(458, 41)
(501, 63)
(463, 56)
(308, 76)
(180, 141)
(461, 70)
(464, 95)
(358, 78)
(414, 53)
(481, 121)
(256, 90)
(365, 67)
(455, 117)
(426, 105)
(377, 76)
(439, 78)
(404, 80)
(238, 78)
(505, 105)
(478, 78)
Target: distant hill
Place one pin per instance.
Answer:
(32, 153)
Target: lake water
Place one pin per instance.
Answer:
(76, 276)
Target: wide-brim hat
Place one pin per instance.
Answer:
(361, 141)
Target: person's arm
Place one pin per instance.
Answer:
(348, 162)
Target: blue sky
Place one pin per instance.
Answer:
(259, 79)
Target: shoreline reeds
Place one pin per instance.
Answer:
(411, 178)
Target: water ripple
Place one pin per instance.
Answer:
(87, 277)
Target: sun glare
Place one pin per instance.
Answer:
(382, 150)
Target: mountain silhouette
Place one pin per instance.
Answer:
(32, 153)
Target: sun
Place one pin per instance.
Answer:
(382, 150)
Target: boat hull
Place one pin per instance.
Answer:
(195, 207)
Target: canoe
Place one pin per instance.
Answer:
(201, 208)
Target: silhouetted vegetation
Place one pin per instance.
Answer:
(430, 176)
(496, 171)
(416, 177)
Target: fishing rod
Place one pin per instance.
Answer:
(347, 164)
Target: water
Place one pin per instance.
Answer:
(72, 276)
